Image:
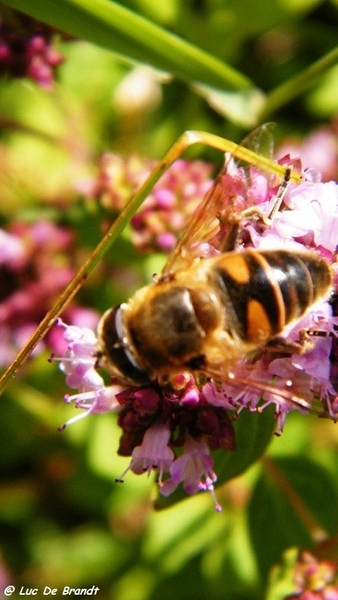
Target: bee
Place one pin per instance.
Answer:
(217, 301)
(208, 309)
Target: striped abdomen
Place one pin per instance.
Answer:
(263, 291)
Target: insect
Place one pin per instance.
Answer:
(204, 313)
(210, 314)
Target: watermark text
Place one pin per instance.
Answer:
(51, 591)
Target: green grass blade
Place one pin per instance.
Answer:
(126, 33)
(297, 85)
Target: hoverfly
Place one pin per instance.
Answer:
(215, 300)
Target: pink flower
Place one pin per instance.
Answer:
(78, 364)
(35, 266)
(194, 469)
(314, 578)
(319, 150)
(163, 214)
(154, 453)
(26, 48)
(79, 361)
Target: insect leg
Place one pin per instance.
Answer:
(281, 193)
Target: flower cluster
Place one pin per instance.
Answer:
(155, 421)
(315, 579)
(26, 48)
(155, 227)
(34, 268)
(173, 429)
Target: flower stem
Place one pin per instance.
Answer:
(295, 86)
(313, 527)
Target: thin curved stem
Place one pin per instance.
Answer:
(295, 86)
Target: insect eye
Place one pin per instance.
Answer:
(116, 355)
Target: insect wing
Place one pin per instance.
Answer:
(260, 140)
(209, 230)
(201, 229)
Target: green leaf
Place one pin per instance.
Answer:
(126, 33)
(288, 508)
(242, 107)
(253, 433)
